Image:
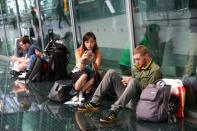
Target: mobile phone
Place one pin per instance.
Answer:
(89, 52)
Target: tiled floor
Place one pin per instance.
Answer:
(25, 107)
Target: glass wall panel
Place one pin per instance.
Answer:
(56, 23)
(169, 30)
(10, 20)
(3, 44)
(29, 20)
(108, 21)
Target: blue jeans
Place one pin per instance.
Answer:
(31, 59)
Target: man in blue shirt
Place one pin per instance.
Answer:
(20, 63)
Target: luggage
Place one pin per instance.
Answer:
(190, 84)
(178, 90)
(57, 58)
(53, 67)
(61, 91)
(37, 70)
(156, 104)
(151, 107)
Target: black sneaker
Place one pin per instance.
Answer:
(89, 106)
(13, 78)
(15, 73)
(109, 117)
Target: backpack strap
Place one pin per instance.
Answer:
(171, 117)
(167, 95)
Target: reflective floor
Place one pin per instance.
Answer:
(24, 107)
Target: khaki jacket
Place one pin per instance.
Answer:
(147, 75)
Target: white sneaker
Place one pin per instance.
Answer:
(75, 98)
(76, 103)
(22, 76)
(81, 97)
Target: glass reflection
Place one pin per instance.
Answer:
(34, 17)
(191, 77)
(26, 107)
(86, 120)
(90, 121)
(12, 29)
(168, 29)
(107, 20)
(56, 24)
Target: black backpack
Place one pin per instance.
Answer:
(38, 70)
(54, 67)
(57, 58)
(156, 104)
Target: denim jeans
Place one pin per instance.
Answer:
(31, 59)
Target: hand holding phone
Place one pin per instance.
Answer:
(89, 52)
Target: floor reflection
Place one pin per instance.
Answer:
(25, 107)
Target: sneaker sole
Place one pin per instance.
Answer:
(90, 109)
(105, 121)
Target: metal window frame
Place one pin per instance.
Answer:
(73, 24)
(40, 24)
(6, 39)
(130, 21)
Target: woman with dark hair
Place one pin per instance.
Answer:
(88, 58)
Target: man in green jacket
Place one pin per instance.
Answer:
(128, 89)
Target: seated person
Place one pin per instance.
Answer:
(128, 89)
(33, 57)
(20, 63)
(88, 58)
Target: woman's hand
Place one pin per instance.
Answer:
(84, 57)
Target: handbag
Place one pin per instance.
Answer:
(61, 91)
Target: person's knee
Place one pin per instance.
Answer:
(84, 76)
(110, 72)
(134, 80)
(82, 79)
(134, 83)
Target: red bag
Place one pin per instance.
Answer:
(182, 101)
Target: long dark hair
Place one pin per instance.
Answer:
(86, 37)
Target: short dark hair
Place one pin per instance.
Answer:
(24, 39)
(140, 49)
